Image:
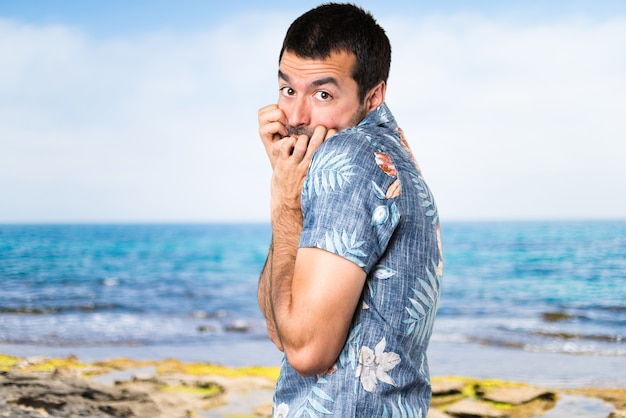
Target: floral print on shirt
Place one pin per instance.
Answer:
(366, 200)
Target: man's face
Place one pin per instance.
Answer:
(316, 92)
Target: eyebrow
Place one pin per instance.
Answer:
(315, 83)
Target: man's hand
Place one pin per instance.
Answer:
(292, 157)
(272, 128)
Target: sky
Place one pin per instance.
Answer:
(146, 111)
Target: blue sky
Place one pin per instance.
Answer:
(119, 17)
(137, 111)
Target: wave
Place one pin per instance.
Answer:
(561, 316)
(188, 333)
(565, 346)
(613, 309)
(54, 310)
(577, 336)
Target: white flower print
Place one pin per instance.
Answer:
(281, 410)
(374, 365)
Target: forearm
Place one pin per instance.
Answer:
(275, 285)
(290, 318)
(263, 295)
(308, 309)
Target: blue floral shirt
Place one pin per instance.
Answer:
(365, 199)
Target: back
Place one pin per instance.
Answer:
(364, 199)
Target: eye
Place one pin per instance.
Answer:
(287, 91)
(323, 96)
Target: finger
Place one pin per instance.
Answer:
(272, 121)
(300, 147)
(271, 113)
(285, 146)
(268, 107)
(317, 139)
(266, 112)
(274, 152)
(330, 133)
(272, 131)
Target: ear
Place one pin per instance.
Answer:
(376, 96)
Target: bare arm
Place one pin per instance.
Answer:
(315, 318)
(307, 295)
(290, 158)
(311, 305)
(264, 299)
(272, 132)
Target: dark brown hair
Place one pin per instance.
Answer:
(335, 27)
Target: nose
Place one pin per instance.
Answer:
(300, 112)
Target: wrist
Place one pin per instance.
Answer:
(290, 209)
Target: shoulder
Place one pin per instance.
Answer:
(349, 153)
(376, 130)
(353, 140)
(358, 141)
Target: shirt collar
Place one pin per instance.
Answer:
(381, 116)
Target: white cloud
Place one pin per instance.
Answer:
(157, 127)
(508, 120)
(515, 121)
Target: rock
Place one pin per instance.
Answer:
(35, 395)
(618, 414)
(557, 316)
(7, 411)
(264, 410)
(447, 387)
(144, 377)
(470, 408)
(238, 325)
(517, 395)
(435, 413)
(207, 328)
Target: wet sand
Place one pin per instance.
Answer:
(446, 359)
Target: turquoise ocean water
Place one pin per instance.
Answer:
(553, 287)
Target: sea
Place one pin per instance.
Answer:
(190, 290)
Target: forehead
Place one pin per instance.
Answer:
(338, 65)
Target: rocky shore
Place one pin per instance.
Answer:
(66, 387)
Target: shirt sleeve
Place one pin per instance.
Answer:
(344, 207)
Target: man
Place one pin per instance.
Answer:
(351, 282)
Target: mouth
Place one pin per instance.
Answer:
(299, 130)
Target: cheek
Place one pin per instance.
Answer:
(331, 118)
(282, 105)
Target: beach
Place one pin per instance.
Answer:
(555, 370)
(237, 380)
